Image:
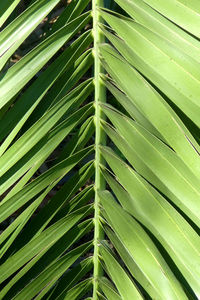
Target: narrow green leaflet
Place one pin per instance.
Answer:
(167, 217)
(150, 18)
(6, 8)
(40, 128)
(73, 10)
(72, 277)
(78, 291)
(16, 32)
(34, 158)
(20, 73)
(35, 187)
(154, 108)
(31, 98)
(42, 243)
(173, 72)
(142, 249)
(47, 278)
(108, 289)
(124, 284)
(176, 9)
(45, 259)
(172, 172)
(130, 107)
(130, 263)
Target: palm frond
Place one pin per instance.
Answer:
(99, 151)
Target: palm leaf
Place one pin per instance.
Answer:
(99, 151)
